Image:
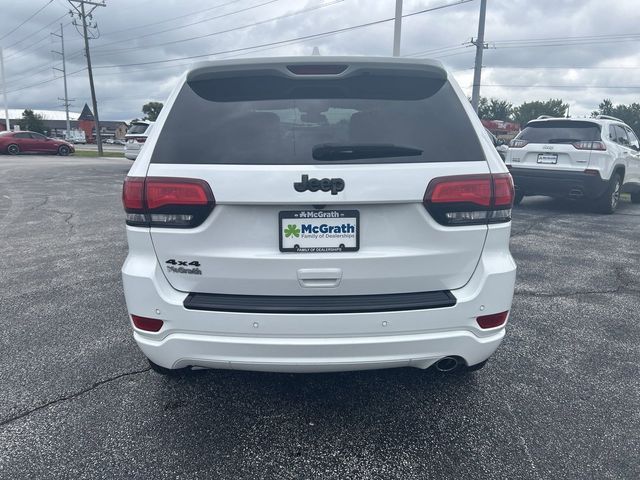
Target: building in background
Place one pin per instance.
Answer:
(56, 125)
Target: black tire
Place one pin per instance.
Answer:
(608, 202)
(167, 372)
(517, 199)
(13, 149)
(635, 197)
(63, 150)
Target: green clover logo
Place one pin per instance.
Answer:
(291, 230)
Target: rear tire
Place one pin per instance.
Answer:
(635, 197)
(608, 202)
(517, 199)
(13, 149)
(63, 150)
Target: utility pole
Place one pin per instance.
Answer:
(397, 29)
(78, 6)
(7, 122)
(480, 46)
(66, 99)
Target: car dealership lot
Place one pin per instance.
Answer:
(560, 399)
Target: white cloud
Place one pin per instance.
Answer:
(124, 40)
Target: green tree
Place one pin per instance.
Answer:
(629, 114)
(500, 109)
(494, 109)
(530, 110)
(151, 110)
(32, 121)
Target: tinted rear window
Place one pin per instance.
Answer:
(560, 131)
(271, 119)
(137, 129)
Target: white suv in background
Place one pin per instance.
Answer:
(135, 138)
(593, 158)
(318, 214)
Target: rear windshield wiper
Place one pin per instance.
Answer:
(340, 151)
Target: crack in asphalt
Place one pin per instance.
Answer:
(72, 396)
(68, 217)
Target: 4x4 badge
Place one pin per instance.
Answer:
(334, 185)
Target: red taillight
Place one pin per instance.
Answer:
(493, 320)
(147, 324)
(133, 193)
(476, 190)
(470, 199)
(166, 202)
(174, 191)
(515, 143)
(588, 145)
(503, 191)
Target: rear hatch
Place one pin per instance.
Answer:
(319, 175)
(555, 144)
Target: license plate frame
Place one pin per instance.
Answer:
(548, 158)
(321, 243)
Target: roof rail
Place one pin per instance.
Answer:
(544, 116)
(608, 117)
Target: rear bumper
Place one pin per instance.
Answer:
(558, 183)
(303, 342)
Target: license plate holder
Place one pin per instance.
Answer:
(548, 158)
(319, 231)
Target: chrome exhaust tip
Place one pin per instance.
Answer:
(447, 364)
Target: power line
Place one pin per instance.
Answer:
(289, 40)
(558, 67)
(26, 87)
(632, 87)
(37, 31)
(30, 17)
(173, 19)
(187, 25)
(220, 32)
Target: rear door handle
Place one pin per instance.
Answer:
(319, 277)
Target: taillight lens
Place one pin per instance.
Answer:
(141, 139)
(147, 324)
(166, 202)
(492, 321)
(588, 145)
(515, 143)
(470, 199)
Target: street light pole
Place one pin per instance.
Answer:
(7, 122)
(480, 46)
(397, 29)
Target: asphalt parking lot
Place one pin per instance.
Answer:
(559, 400)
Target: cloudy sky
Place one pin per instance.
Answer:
(579, 50)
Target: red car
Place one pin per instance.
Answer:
(14, 143)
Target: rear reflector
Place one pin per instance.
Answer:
(493, 320)
(470, 199)
(320, 69)
(166, 202)
(147, 324)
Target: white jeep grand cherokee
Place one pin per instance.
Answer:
(318, 214)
